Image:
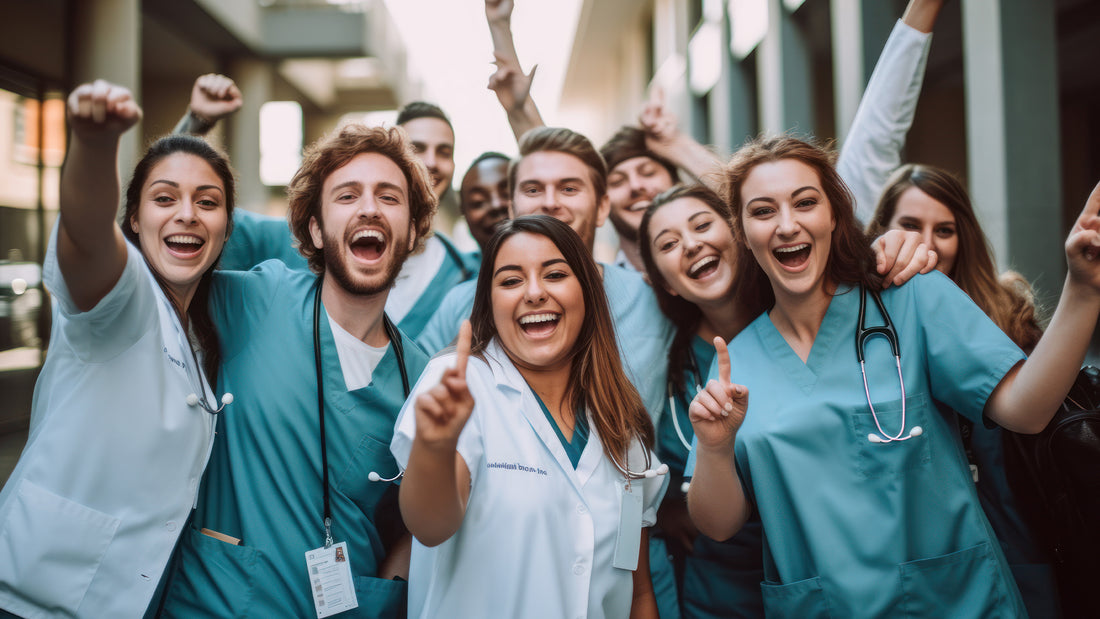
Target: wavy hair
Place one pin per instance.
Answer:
(597, 381)
(335, 150)
(1008, 300)
(851, 259)
(198, 312)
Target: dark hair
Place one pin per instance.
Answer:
(596, 380)
(422, 109)
(851, 260)
(683, 313)
(198, 311)
(332, 152)
(629, 142)
(1007, 300)
(561, 140)
(489, 154)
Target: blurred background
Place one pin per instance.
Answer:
(1011, 100)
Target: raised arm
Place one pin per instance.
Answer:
(1028, 396)
(511, 85)
(91, 250)
(716, 500)
(436, 485)
(664, 138)
(872, 149)
(213, 97)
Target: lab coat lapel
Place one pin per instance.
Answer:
(590, 457)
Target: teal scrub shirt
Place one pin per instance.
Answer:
(454, 270)
(257, 238)
(855, 528)
(263, 483)
(719, 580)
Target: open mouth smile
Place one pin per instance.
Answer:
(184, 245)
(792, 256)
(368, 244)
(539, 324)
(703, 267)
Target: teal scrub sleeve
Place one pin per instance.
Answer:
(442, 328)
(257, 238)
(968, 355)
(240, 302)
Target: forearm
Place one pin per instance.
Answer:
(430, 501)
(643, 604)
(523, 120)
(921, 14)
(503, 43)
(193, 124)
(690, 155)
(91, 250)
(1029, 395)
(716, 500)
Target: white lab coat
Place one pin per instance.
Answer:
(538, 538)
(91, 513)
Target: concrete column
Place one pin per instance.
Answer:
(785, 82)
(1011, 73)
(256, 80)
(860, 30)
(107, 45)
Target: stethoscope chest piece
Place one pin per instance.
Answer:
(864, 333)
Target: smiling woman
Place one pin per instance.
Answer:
(107, 480)
(530, 448)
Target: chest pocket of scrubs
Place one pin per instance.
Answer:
(52, 547)
(960, 584)
(803, 598)
(213, 578)
(353, 481)
(878, 460)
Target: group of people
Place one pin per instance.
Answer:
(756, 410)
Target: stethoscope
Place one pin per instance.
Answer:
(676, 418)
(648, 473)
(863, 333)
(193, 399)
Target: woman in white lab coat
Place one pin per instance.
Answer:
(526, 482)
(122, 419)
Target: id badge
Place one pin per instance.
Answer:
(630, 529)
(330, 580)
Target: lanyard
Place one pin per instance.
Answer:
(398, 350)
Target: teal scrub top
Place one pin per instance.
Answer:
(454, 270)
(257, 238)
(643, 332)
(855, 528)
(721, 580)
(263, 482)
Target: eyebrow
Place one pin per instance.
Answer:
(793, 194)
(516, 267)
(177, 185)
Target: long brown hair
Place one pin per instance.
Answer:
(683, 313)
(198, 312)
(851, 259)
(1007, 300)
(596, 378)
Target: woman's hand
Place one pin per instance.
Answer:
(442, 411)
(509, 83)
(214, 97)
(900, 254)
(718, 411)
(1083, 245)
(101, 111)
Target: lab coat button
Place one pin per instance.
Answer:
(581, 509)
(578, 570)
(170, 525)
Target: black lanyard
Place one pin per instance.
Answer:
(399, 352)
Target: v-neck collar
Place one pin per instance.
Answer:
(824, 349)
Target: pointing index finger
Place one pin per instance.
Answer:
(462, 348)
(723, 360)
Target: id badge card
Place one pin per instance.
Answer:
(630, 529)
(330, 580)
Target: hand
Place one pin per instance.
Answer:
(900, 254)
(443, 410)
(718, 411)
(102, 110)
(1083, 244)
(499, 10)
(214, 97)
(509, 83)
(660, 125)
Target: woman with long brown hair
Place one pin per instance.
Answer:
(530, 479)
(864, 493)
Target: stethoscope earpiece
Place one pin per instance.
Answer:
(194, 400)
(373, 476)
(684, 487)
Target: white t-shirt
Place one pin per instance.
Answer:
(357, 358)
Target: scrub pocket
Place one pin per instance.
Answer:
(380, 598)
(894, 459)
(962, 584)
(52, 547)
(804, 599)
(212, 579)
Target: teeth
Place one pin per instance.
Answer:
(702, 264)
(368, 234)
(640, 205)
(184, 238)
(788, 250)
(533, 318)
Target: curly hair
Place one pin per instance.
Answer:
(335, 150)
